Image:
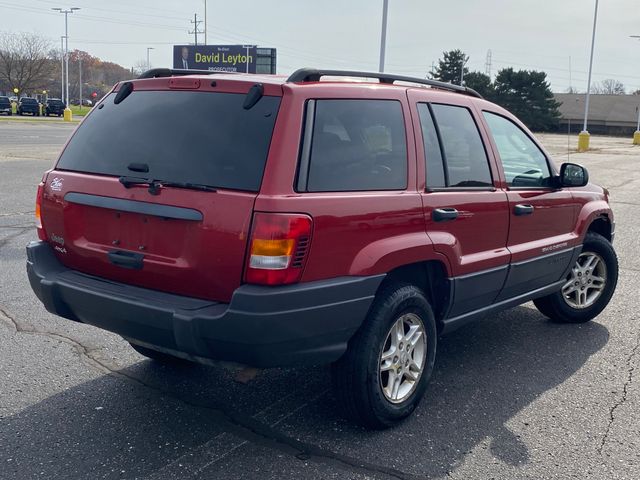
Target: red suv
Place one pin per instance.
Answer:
(280, 222)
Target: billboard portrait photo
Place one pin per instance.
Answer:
(216, 58)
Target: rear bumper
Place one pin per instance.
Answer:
(307, 323)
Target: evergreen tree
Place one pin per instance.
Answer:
(481, 83)
(450, 66)
(528, 96)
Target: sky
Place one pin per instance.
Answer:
(553, 36)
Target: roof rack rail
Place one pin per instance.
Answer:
(313, 75)
(176, 72)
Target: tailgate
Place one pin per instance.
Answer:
(188, 236)
(185, 242)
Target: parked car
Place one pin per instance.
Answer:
(5, 105)
(314, 222)
(54, 106)
(28, 105)
(85, 102)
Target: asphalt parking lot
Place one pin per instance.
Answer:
(513, 396)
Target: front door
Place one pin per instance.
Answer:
(541, 237)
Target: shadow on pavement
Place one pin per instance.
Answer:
(109, 428)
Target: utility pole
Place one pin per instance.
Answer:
(66, 46)
(196, 23)
(462, 75)
(583, 136)
(383, 34)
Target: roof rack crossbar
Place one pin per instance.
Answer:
(176, 72)
(313, 75)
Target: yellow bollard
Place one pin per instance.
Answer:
(636, 137)
(68, 116)
(583, 141)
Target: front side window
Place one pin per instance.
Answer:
(464, 154)
(357, 145)
(524, 163)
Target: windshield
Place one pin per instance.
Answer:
(28, 100)
(190, 137)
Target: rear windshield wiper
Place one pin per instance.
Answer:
(154, 185)
(189, 185)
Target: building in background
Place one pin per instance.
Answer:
(608, 114)
(225, 58)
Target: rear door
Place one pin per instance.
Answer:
(542, 217)
(466, 214)
(189, 241)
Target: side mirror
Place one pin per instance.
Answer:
(573, 175)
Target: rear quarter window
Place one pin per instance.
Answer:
(191, 137)
(357, 145)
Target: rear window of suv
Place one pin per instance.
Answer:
(188, 137)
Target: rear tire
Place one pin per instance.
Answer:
(157, 356)
(377, 382)
(589, 286)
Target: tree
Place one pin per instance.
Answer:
(527, 95)
(450, 67)
(23, 61)
(609, 86)
(481, 83)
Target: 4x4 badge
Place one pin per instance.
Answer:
(56, 184)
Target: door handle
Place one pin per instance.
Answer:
(444, 214)
(124, 259)
(523, 209)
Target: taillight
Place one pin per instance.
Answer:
(41, 233)
(278, 248)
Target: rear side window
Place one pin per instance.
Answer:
(524, 163)
(356, 145)
(463, 151)
(192, 137)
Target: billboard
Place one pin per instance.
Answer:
(217, 58)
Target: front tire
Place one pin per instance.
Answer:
(383, 375)
(588, 287)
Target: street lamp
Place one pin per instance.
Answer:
(148, 62)
(66, 45)
(383, 34)
(583, 136)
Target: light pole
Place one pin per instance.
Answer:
(636, 134)
(205, 22)
(66, 49)
(383, 34)
(62, 69)
(583, 136)
(148, 62)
